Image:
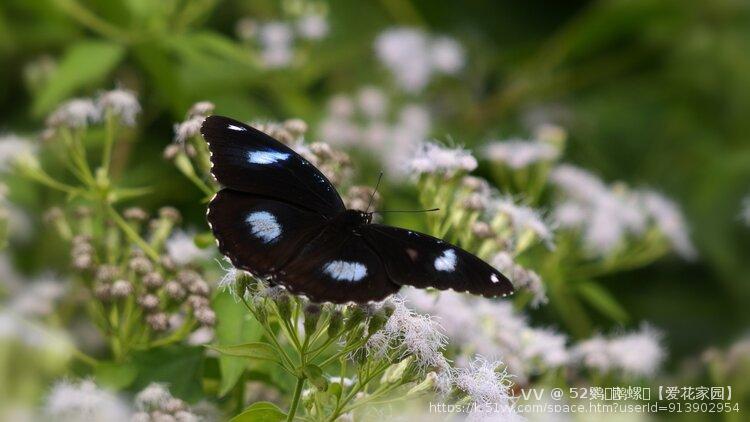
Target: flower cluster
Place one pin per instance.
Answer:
(155, 404)
(369, 120)
(276, 39)
(151, 292)
(413, 57)
(609, 216)
(81, 112)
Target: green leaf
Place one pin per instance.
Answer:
(598, 297)
(315, 375)
(234, 326)
(205, 240)
(115, 375)
(84, 64)
(178, 366)
(261, 411)
(253, 351)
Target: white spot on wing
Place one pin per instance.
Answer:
(494, 279)
(345, 271)
(266, 157)
(233, 127)
(264, 226)
(446, 261)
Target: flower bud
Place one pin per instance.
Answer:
(205, 315)
(335, 323)
(395, 373)
(355, 315)
(175, 290)
(426, 386)
(121, 289)
(158, 321)
(284, 305)
(312, 314)
(153, 280)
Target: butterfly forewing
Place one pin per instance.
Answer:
(260, 234)
(419, 260)
(247, 160)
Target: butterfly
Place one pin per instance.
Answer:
(278, 217)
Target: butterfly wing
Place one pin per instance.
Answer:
(420, 260)
(247, 160)
(339, 267)
(259, 234)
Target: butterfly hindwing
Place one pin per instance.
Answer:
(259, 234)
(338, 266)
(247, 160)
(420, 260)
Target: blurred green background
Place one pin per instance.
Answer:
(652, 92)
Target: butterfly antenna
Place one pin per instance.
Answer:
(429, 210)
(372, 197)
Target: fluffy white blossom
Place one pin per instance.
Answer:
(182, 249)
(490, 388)
(523, 219)
(518, 154)
(154, 396)
(75, 113)
(38, 298)
(419, 335)
(372, 101)
(122, 103)
(413, 56)
(521, 277)
(276, 40)
(635, 354)
(11, 148)
(447, 55)
(312, 26)
(607, 215)
(83, 401)
(670, 221)
(745, 212)
(494, 328)
(434, 158)
(187, 129)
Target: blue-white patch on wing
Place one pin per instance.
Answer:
(264, 226)
(237, 128)
(266, 157)
(446, 261)
(345, 271)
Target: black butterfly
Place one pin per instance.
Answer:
(278, 217)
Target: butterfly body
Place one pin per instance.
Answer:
(278, 217)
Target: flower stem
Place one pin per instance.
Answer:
(131, 234)
(295, 398)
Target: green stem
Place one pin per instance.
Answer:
(131, 234)
(109, 140)
(295, 398)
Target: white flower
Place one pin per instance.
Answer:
(182, 250)
(187, 129)
(490, 387)
(670, 221)
(577, 183)
(419, 335)
(521, 277)
(494, 328)
(341, 106)
(203, 335)
(518, 154)
(636, 354)
(433, 158)
(372, 101)
(11, 148)
(276, 40)
(745, 213)
(75, 113)
(153, 397)
(447, 55)
(312, 26)
(38, 298)
(122, 103)
(84, 402)
(405, 52)
(412, 56)
(524, 219)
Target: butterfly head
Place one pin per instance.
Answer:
(352, 219)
